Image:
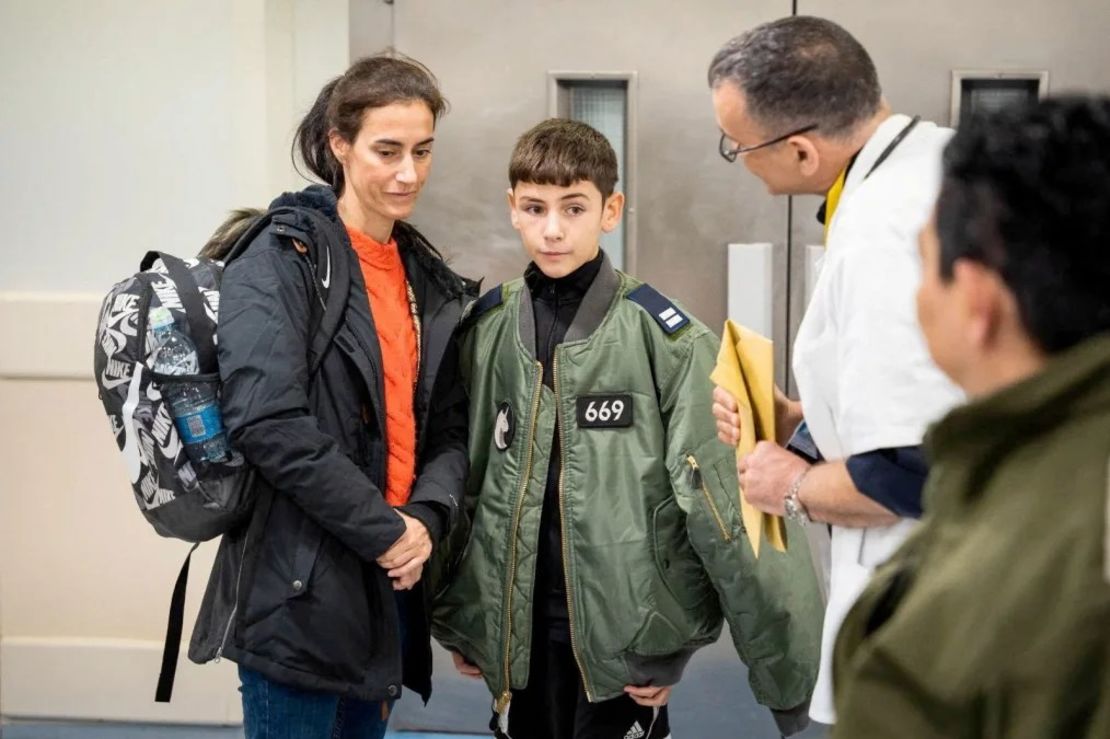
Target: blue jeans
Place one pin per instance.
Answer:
(275, 711)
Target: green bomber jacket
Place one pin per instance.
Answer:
(654, 548)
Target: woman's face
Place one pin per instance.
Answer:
(386, 165)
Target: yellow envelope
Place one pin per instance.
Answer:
(746, 368)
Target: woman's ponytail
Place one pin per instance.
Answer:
(311, 140)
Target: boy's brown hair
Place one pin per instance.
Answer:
(561, 152)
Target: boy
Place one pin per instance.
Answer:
(604, 536)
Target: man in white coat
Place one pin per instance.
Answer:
(798, 102)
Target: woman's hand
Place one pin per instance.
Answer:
(404, 561)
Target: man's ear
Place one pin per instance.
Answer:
(513, 218)
(805, 153)
(612, 211)
(982, 297)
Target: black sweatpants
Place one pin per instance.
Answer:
(554, 705)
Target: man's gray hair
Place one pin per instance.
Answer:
(799, 71)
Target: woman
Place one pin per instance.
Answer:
(319, 598)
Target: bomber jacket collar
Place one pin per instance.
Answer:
(591, 311)
(1073, 385)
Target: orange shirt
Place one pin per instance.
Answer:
(389, 302)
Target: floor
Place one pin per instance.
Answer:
(60, 730)
(712, 701)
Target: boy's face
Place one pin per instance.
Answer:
(561, 227)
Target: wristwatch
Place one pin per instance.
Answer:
(795, 510)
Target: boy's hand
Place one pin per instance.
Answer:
(465, 668)
(727, 415)
(788, 414)
(404, 561)
(650, 695)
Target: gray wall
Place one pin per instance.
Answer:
(492, 58)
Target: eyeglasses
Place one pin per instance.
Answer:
(730, 153)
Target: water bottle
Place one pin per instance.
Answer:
(193, 405)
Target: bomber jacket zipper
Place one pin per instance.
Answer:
(559, 420)
(698, 481)
(506, 695)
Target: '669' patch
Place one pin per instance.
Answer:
(604, 411)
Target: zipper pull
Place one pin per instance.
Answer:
(695, 471)
(502, 702)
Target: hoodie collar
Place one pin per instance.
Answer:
(568, 287)
(591, 312)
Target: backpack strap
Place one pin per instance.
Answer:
(192, 301)
(260, 224)
(326, 257)
(325, 251)
(173, 633)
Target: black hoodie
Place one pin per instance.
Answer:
(554, 303)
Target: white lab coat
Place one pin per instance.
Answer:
(864, 374)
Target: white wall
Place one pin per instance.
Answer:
(125, 125)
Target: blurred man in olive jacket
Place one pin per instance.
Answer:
(993, 619)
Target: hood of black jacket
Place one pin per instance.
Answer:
(410, 241)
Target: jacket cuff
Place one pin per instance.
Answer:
(432, 515)
(793, 720)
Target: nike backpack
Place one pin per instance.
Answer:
(179, 499)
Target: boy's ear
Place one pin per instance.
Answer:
(512, 209)
(612, 211)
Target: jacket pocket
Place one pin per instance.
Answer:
(304, 559)
(284, 565)
(701, 488)
(679, 568)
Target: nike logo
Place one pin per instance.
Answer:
(108, 384)
(132, 457)
(326, 280)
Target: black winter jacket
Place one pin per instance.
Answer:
(296, 594)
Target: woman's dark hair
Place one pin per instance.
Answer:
(1026, 193)
(371, 82)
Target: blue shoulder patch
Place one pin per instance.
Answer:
(490, 300)
(666, 314)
